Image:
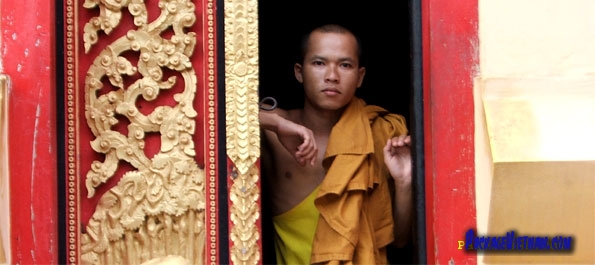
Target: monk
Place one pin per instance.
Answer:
(337, 172)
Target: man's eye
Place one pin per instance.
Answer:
(318, 63)
(347, 65)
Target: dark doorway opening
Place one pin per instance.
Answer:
(386, 34)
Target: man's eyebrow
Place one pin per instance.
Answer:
(315, 57)
(342, 59)
(347, 59)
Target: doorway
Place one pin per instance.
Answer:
(385, 35)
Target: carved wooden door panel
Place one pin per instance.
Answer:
(145, 173)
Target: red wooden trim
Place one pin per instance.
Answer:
(450, 46)
(428, 154)
(28, 58)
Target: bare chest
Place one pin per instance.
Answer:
(289, 182)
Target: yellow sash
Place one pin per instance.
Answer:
(294, 232)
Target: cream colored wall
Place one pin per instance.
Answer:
(535, 96)
(537, 38)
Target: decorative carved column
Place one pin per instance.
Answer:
(242, 129)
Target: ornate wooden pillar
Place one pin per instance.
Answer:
(242, 129)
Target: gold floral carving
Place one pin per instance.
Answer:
(157, 209)
(242, 129)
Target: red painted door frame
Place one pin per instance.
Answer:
(450, 59)
(28, 58)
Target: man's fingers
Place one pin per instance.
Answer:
(311, 154)
(307, 152)
(407, 140)
(306, 158)
(402, 140)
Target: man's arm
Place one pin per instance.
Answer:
(397, 157)
(297, 139)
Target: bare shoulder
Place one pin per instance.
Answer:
(292, 115)
(281, 112)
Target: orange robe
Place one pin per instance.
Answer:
(355, 203)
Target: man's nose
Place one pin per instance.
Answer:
(332, 74)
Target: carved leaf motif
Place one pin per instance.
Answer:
(133, 220)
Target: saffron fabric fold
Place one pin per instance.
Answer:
(354, 199)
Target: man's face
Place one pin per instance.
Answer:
(330, 72)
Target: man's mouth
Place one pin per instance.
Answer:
(330, 92)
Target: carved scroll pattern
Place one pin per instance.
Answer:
(242, 129)
(158, 209)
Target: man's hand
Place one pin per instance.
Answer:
(299, 141)
(397, 157)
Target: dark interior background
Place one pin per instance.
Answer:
(385, 33)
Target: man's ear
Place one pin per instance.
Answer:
(297, 71)
(361, 74)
